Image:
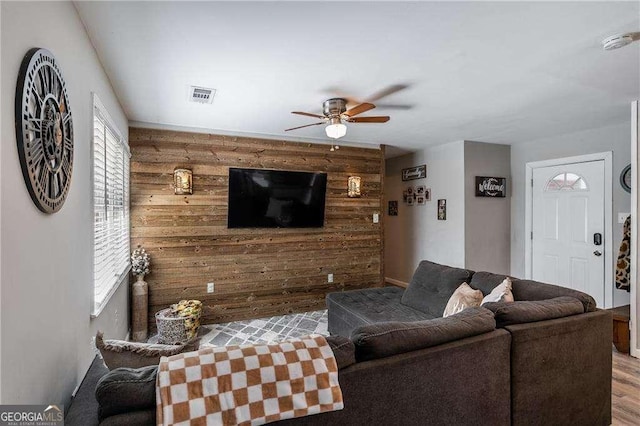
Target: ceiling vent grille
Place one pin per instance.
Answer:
(201, 95)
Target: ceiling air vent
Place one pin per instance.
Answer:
(201, 95)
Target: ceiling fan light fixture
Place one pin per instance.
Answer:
(335, 129)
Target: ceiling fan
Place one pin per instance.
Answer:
(335, 114)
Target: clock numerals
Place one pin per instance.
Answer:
(34, 124)
(65, 169)
(43, 178)
(37, 153)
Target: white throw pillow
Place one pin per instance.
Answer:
(502, 293)
(464, 297)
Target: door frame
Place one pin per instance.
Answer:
(607, 157)
(635, 234)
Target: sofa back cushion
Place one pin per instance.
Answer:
(529, 289)
(487, 281)
(508, 313)
(390, 338)
(432, 285)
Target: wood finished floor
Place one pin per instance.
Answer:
(625, 390)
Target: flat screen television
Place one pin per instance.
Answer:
(261, 198)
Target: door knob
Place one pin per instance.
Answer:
(597, 253)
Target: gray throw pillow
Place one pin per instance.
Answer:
(520, 312)
(432, 286)
(384, 339)
(126, 389)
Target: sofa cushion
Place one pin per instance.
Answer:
(464, 297)
(530, 290)
(126, 389)
(120, 353)
(343, 350)
(385, 339)
(487, 281)
(432, 285)
(351, 309)
(508, 313)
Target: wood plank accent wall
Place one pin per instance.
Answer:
(257, 272)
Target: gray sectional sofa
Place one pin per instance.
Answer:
(560, 344)
(542, 360)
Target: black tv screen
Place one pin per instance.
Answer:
(276, 199)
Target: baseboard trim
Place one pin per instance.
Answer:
(395, 282)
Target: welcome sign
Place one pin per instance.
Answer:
(487, 186)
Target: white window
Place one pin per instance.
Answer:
(110, 207)
(566, 182)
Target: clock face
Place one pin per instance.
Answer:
(44, 130)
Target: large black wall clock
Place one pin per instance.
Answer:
(44, 130)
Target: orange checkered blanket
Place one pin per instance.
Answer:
(248, 384)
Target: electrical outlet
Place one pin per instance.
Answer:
(622, 217)
(210, 287)
(376, 218)
(329, 278)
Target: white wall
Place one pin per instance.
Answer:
(615, 138)
(416, 234)
(487, 220)
(47, 259)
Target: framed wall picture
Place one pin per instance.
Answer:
(417, 172)
(410, 200)
(427, 194)
(442, 209)
(494, 187)
(420, 200)
(420, 189)
(393, 208)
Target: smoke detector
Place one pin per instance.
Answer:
(617, 41)
(201, 95)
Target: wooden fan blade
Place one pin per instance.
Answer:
(379, 119)
(306, 125)
(308, 114)
(387, 91)
(359, 109)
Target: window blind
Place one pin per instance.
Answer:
(111, 207)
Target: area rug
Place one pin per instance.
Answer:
(264, 330)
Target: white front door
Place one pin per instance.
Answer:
(568, 216)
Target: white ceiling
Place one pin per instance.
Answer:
(503, 72)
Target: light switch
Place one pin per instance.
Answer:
(622, 217)
(376, 218)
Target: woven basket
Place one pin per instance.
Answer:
(171, 329)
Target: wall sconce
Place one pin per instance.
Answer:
(354, 186)
(182, 181)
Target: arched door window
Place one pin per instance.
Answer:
(566, 181)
